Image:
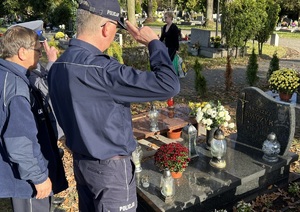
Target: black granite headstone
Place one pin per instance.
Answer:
(258, 115)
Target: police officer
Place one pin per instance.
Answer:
(91, 95)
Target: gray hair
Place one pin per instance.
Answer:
(14, 39)
(88, 22)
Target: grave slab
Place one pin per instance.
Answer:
(205, 188)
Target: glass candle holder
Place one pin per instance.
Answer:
(145, 181)
(153, 116)
(137, 156)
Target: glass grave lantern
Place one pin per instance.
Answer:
(271, 148)
(167, 186)
(189, 136)
(218, 150)
(153, 116)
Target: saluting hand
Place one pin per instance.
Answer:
(51, 52)
(143, 35)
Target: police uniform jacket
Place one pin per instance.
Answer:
(28, 146)
(91, 95)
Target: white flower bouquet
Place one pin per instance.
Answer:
(213, 115)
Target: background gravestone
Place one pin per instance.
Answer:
(258, 115)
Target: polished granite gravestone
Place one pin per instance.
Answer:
(205, 188)
(258, 114)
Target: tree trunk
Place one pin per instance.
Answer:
(209, 13)
(228, 74)
(150, 8)
(131, 11)
(260, 46)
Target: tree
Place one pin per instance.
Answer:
(148, 7)
(241, 21)
(131, 11)
(268, 24)
(252, 69)
(291, 5)
(192, 5)
(273, 66)
(209, 13)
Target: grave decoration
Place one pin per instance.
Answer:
(153, 116)
(218, 150)
(212, 116)
(167, 186)
(284, 81)
(189, 135)
(271, 148)
(173, 156)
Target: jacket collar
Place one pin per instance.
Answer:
(14, 68)
(85, 45)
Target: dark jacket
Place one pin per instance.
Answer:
(28, 146)
(170, 38)
(91, 95)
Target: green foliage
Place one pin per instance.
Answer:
(241, 19)
(274, 65)
(192, 5)
(183, 51)
(115, 50)
(200, 81)
(128, 40)
(268, 23)
(138, 7)
(154, 7)
(243, 207)
(62, 14)
(252, 69)
(290, 5)
(294, 189)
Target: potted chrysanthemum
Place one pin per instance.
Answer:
(173, 156)
(285, 81)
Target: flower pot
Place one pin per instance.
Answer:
(174, 134)
(285, 97)
(176, 175)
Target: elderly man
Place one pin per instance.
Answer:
(31, 168)
(91, 95)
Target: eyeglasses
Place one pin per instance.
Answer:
(37, 50)
(166, 17)
(112, 23)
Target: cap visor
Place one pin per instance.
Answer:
(42, 38)
(121, 25)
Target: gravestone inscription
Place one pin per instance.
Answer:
(258, 115)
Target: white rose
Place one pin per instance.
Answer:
(213, 114)
(231, 125)
(209, 111)
(209, 122)
(221, 114)
(227, 118)
(225, 124)
(199, 116)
